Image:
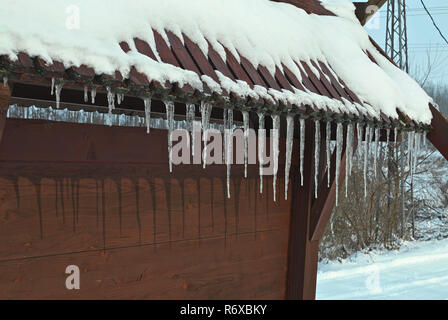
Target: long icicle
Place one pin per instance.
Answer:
(225, 125)
(52, 85)
(302, 148)
(191, 112)
(416, 149)
(246, 139)
(366, 157)
(261, 144)
(359, 133)
(410, 147)
(316, 155)
(339, 145)
(375, 150)
(289, 145)
(93, 94)
(229, 149)
(111, 103)
(349, 154)
(205, 114)
(147, 103)
(170, 119)
(58, 89)
(86, 94)
(275, 138)
(327, 150)
(350, 148)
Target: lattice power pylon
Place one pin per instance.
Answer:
(396, 33)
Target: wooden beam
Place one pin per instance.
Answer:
(365, 10)
(302, 253)
(439, 135)
(5, 99)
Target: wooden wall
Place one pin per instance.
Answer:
(103, 199)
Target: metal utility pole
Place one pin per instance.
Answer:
(396, 33)
(397, 49)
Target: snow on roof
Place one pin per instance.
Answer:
(274, 35)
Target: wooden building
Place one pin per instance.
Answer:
(102, 197)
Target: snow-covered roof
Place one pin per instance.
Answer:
(290, 53)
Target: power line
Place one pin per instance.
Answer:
(433, 22)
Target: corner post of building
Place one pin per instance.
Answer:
(302, 252)
(5, 101)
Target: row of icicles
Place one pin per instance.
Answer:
(372, 135)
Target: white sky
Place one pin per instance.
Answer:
(422, 37)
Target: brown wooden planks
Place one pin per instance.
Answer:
(237, 69)
(280, 77)
(323, 79)
(252, 72)
(322, 90)
(182, 54)
(292, 78)
(306, 81)
(134, 229)
(125, 46)
(218, 63)
(144, 48)
(269, 79)
(164, 51)
(334, 82)
(202, 62)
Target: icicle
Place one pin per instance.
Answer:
(111, 103)
(52, 86)
(5, 81)
(375, 150)
(147, 102)
(86, 94)
(388, 136)
(425, 141)
(416, 149)
(410, 148)
(246, 139)
(120, 98)
(349, 155)
(289, 145)
(205, 115)
(339, 145)
(170, 119)
(327, 146)
(302, 148)
(261, 144)
(229, 149)
(316, 155)
(275, 140)
(58, 89)
(93, 94)
(191, 110)
(359, 133)
(366, 157)
(225, 124)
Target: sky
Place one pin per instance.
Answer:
(422, 38)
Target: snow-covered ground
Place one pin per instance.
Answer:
(419, 270)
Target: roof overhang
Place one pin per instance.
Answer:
(365, 10)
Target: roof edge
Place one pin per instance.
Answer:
(365, 10)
